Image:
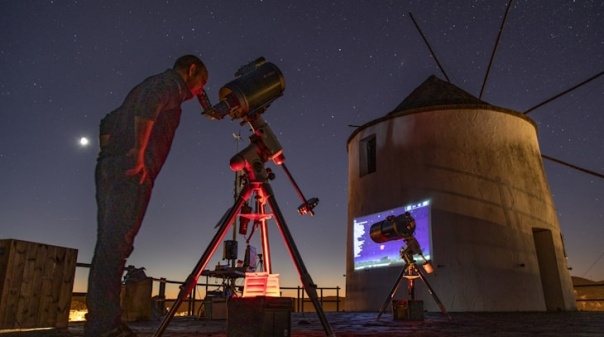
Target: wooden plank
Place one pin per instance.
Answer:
(68, 281)
(24, 316)
(34, 317)
(4, 256)
(66, 289)
(43, 305)
(55, 284)
(6, 259)
(13, 281)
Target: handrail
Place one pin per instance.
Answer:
(300, 299)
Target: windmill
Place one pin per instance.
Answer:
(529, 110)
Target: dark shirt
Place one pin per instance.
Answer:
(157, 98)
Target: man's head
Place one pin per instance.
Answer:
(193, 71)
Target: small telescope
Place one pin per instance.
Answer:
(393, 228)
(403, 227)
(257, 85)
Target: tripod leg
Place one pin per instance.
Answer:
(432, 292)
(191, 282)
(307, 281)
(392, 292)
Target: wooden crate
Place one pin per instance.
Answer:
(408, 310)
(36, 282)
(136, 300)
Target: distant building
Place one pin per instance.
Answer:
(492, 231)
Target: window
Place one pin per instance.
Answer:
(367, 155)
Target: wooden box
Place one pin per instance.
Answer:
(408, 310)
(259, 316)
(36, 282)
(215, 307)
(136, 300)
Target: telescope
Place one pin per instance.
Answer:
(393, 228)
(397, 228)
(257, 85)
(403, 227)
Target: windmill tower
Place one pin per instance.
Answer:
(495, 237)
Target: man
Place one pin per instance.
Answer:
(135, 141)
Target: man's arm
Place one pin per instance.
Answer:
(142, 131)
(105, 128)
(103, 141)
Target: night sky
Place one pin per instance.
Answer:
(65, 64)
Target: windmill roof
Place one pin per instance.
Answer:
(436, 92)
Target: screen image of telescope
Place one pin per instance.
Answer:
(369, 254)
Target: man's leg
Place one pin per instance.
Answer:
(122, 203)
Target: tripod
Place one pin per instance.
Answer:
(264, 146)
(411, 272)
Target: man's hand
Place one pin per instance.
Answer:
(139, 165)
(142, 131)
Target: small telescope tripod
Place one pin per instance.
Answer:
(411, 272)
(264, 146)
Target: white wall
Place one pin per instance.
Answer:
(481, 168)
